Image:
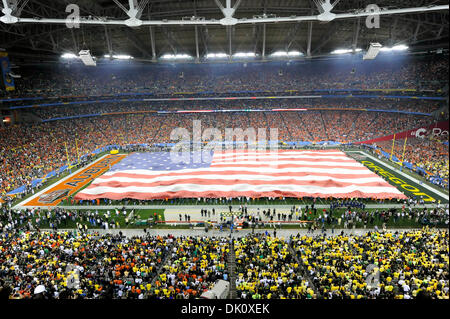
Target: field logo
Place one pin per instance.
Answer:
(53, 196)
(404, 185)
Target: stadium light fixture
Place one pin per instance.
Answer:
(175, 56)
(373, 51)
(216, 55)
(345, 51)
(400, 47)
(119, 57)
(69, 56)
(295, 53)
(87, 58)
(286, 54)
(244, 55)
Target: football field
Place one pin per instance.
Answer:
(65, 189)
(404, 181)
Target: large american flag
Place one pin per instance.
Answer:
(240, 173)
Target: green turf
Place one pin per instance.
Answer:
(337, 212)
(140, 214)
(146, 213)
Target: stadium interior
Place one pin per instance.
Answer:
(313, 134)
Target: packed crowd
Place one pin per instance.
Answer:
(75, 80)
(71, 265)
(266, 269)
(378, 265)
(193, 267)
(407, 105)
(74, 265)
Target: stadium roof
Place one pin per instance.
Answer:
(36, 29)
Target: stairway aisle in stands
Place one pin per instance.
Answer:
(369, 125)
(324, 126)
(303, 270)
(303, 125)
(162, 264)
(353, 127)
(287, 127)
(154, 138)
(232, 271)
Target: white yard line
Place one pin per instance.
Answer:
(411, 178)
(21, 204)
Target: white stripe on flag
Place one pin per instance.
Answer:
(315, 173)
(310, 189)
(130, 179)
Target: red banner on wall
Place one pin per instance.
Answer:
(436, 129)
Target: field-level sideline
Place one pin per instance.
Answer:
(54, 194)
(406, 183)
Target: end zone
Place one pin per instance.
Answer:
(54, 194)
(411, 187)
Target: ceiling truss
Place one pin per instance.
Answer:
(152, 29)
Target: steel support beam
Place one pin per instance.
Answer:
(197, 51)
(356, 35)
(205, 38)
(416, 32)
(172, 41)
(291, 38)
(136, 42)
(108, 41)
(75, 44)
(152, 42)
(230, 50)
(264, 41)
(227, 21)
(331, 32)
(308, 48)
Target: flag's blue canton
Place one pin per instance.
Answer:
(160, 161)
